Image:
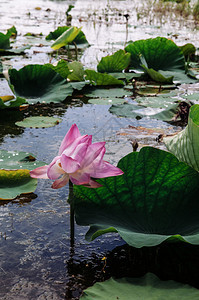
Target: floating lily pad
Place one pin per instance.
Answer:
(106, 101)
(155, 199)
(4, 41)
(39, 122)
(117, 62)
(185, 144)
(11, 103)
(14, 183)
(108, 93)
(14, 173)
(134, 111)
(13, 160)
(149, 287)
(66, 37)
(96, 78)
(39, 83)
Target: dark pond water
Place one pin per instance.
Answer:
(36, 259)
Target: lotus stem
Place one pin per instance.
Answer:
(72, 214)
(76, 50)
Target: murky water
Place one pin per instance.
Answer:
(34, 230)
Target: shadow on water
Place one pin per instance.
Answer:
(169, 261)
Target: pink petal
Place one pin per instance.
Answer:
(59, 183)
(80, 152)
(40, 172)
(93, 151)
(69, 164)
(93, 184)
(80, 140)
(71, 135)
(55, 169)
(104, 169)
(80, 178)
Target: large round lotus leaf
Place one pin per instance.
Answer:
(13, 160)
(117, 62)
(39, 83)
(149, 287)
(155, 199)
(159, 54)
(39, 122)
(185, 144)
(15, 182)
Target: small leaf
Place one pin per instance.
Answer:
(67, 37)
(39, 122)
(61, 68)
(96, 78)
(117, 62)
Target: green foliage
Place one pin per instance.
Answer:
(148, 287)
(61, 68)
(39, 83)
(185, 144)
(79, 39)
(96, 78)
(14, 174)
(67, 37)
(77, 71)
(147, 205)
(12, 103)
(159, 54)
(117, 62)
(39, 122)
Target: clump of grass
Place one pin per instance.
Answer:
(196, 11)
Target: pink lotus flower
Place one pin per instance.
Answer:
(78, 160)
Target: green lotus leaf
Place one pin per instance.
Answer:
(160, 54)
(79, 39)
(180, 76)
(108, 93)
(61, 68)
(185, 144)
(67, 37)
(12, 103)
(106, 101)
(15, 182)
(12, 32)
(39, 83)
(4, 41)
(148, 287)
(117, 62)
(39, 122)
(96, 78)
(77, 71)
(148, 204)
(14, 160)
(126, 76)
(14, 51)
(188, 50)
(158, 77)
(14, 173)
(128, 110)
